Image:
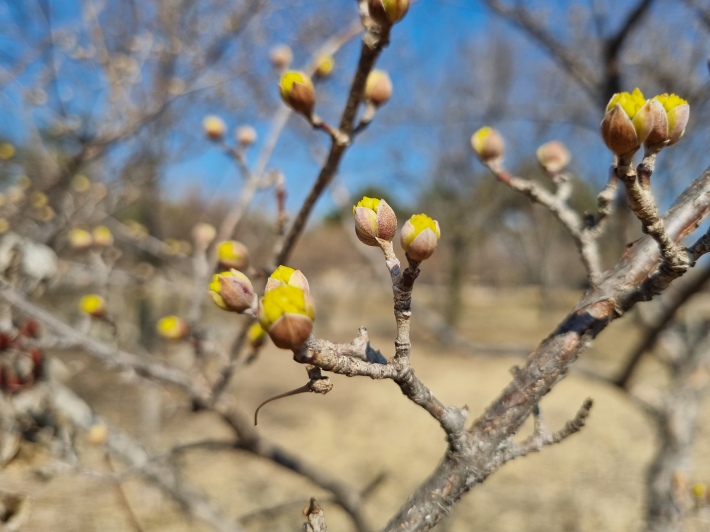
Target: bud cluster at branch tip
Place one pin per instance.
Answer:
(286, 313)
(172, 328)
(233, 291)
(297, 91)
(232, 255)
(553, 156)
(387, 12)
(419, 237)
(378, 88)
(488, 145)
(374, 219)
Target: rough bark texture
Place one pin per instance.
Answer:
(636, 277)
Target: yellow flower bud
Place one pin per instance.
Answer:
(288, 276)
(232, 254)
(256, 336)
(488, 145)
(700, 490)
(378, 88)
(324, 66)
(172, 328)
(38, 199)
(670, 116)
(388, 12)
(627, 123)
(297, 92)
(7, 150)
(80, 183)
(80, 239)
(553, 156)
(98, 434)
(102, 236)
(245, 135)
(374, 219)
(233, 291)
(419, 237)
(214, 127)
(93, 305)
(286, 313)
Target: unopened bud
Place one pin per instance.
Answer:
(98, 434)
(256, 336)
(670, 117)
(420, 236)
(245, 135)
(553, 156)
(283, 275)
(93, 305)
(80, 183)
(374, 219)
(203, 234)
(172, 328)
(388, 12)
(233, 291)
(7, 150)
(488, 145)
(281, 56)
(214, 127)
(102, 236)
(297, 92)
(232, 254)
(286, 313)
(324, 66)
(627, 122)
(378, 88)
(80, 239)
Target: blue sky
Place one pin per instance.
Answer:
(440, 44)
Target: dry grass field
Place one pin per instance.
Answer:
(591, 482)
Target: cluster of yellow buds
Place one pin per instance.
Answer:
(631, 121)
(375, 221)
(285, 313)
(99, 237)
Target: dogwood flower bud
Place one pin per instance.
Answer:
(232, 254)
(288, 276)
(488, 145)
(256, 336)
(233, 291)
(387, 12)
(627, 123)
(374, 219)
(80, 239)
(670, 116)
(419, 237)
(172, 328)
(93, 305)
(286, 313)
(102, 236)
(553, 156)
(214, 127)
(297, 92)
(245, 135)
(378, 88)
(324, 66)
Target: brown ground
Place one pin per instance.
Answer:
(591, 482)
